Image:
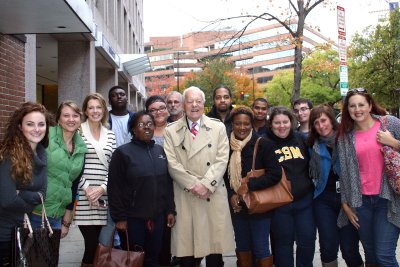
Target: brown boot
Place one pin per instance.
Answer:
(244, 259)
(266, 262)
(86, 265)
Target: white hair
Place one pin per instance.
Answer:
(174, 93)
(195, 89)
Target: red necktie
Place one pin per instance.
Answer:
(193, 130)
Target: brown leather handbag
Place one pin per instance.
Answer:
(112, 257)
(269, 198)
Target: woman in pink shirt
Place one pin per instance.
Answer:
(368, 201)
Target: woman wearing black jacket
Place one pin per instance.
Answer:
(251, 230)
(140, 189)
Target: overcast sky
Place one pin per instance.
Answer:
(176, 17)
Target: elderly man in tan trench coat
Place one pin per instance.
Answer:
(197, 160)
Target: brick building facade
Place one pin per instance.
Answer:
(12, 77)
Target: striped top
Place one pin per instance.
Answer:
(95, 173)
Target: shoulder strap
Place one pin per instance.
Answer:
(253, 165)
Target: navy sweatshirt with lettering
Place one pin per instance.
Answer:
(293, 157)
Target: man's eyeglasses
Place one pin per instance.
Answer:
(148, 125)
(155, 110)
(303, 109)
(357, 91)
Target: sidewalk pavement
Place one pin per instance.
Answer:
(72, 247)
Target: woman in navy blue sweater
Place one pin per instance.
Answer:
(140, 190)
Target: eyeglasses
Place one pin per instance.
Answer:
(148, 125)
(155, 110)
(303, 109)
(357, 91)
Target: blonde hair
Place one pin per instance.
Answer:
(100, 98)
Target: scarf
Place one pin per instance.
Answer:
(235, 162)
(315, 168)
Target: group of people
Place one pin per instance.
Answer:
(170, 178)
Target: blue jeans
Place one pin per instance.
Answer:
(252, 234)
(326, 210)
(292, 222)
(106, 232)
(36, 221)
(378, 236)
(150, 241)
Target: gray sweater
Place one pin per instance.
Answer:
(350, 180)
(13, 205)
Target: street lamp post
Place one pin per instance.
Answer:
(252, 75)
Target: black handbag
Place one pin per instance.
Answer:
(36, 247)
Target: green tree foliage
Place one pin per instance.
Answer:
(320, 80)
(216, 72)
(376, 55)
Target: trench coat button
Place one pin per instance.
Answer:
(209, 145)
(187, 190)
(213, 182)
(208, 163)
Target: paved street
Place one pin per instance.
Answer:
(71, 252)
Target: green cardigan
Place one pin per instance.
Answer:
(63, 169)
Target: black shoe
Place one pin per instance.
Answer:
(174, 261)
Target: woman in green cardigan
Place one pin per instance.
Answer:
(66, 154)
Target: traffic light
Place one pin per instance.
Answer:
(241, 95)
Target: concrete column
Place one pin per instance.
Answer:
(76, 70)
(30, 68)
(105, 79)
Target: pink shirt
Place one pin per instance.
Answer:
(370, 160)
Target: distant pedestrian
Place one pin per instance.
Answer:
(23, 170)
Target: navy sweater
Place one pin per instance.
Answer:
(139, 185)
(13, 205)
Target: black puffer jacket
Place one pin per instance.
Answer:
(139, 185)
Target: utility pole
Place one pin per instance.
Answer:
(177, 72)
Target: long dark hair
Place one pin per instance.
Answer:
(346, 122)
(16, 147)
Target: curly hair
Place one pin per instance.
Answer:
(16, 147)
(242, 110)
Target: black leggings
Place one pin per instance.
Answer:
(212, 260)
(90, 235)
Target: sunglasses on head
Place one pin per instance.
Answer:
(357, 90)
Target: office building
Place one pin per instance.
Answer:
(54, 50)
(261, 52)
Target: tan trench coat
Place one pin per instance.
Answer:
(202, 226)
